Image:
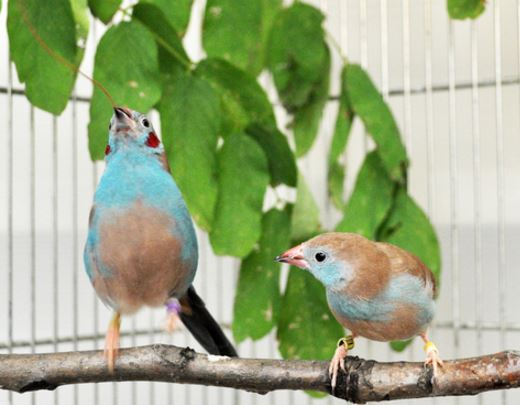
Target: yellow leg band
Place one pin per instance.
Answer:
(347, 341)
(115, 322)
(430, 347)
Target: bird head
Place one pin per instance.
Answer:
(131, 128)
(325, 256)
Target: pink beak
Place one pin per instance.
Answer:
(295, 257)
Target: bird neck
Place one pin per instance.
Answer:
(131, 174)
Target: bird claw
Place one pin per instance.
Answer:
(337, 362)
(433, 358)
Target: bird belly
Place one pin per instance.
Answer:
(402, 324)
(139, 259)
(403, 309)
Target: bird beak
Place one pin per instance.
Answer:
(295, 257)
(123, 119)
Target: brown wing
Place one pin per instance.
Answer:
(402, 261)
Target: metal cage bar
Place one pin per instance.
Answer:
(447, 71)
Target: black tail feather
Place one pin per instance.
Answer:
(204, 327)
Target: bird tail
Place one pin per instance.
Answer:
(203, 326)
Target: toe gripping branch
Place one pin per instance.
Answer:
(347, 341)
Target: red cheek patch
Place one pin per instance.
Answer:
(152, 141)
(107, 150)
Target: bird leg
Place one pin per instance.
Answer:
(173, 309)
(432, 354)
(112, 341)
(338, 360)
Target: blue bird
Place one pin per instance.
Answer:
(141, 247)
(374, 289)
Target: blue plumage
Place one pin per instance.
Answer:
(141, 247)
(134, 173)
(402, 289)
(375, 289)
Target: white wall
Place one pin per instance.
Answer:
(441, 129)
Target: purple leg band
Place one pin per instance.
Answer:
(173, 305)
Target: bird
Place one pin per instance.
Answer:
(374, 289)
(141, 248)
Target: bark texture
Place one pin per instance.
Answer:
(365, 380)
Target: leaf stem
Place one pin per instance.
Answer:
(336, 46)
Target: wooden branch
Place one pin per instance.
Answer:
(366, 380)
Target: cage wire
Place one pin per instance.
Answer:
(454, 88)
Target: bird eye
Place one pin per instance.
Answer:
(320, 256)
(145, 122)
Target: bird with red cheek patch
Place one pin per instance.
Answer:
(141, 247)
(374, 289)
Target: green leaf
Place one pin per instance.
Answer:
(171, 51)
(299, 60)
(400, 345)
(336, 172)
(306, 328)
(245, 107)
(369, 105)
(190, 114)
(243, 178)
(81, 17)
(409, 228)
(335, 182)
(136, 85)
(296, 53)
(104, 9)
(461, 9)
(33, 34)
(176, 12)
(282, 165)
(308, 117)
(224, 18)
(240, 87)
(270, 9)
(257, 300)
(371, 199)
(306, 214)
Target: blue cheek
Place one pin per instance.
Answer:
(330, 274)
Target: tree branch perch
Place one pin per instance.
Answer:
(366, 380)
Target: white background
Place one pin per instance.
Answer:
(463, 138)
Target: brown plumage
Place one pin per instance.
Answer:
(375, 289)
(144, 258)
(141, 247)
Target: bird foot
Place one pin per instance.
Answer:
(338, 360)
(432, 357)
(173, 309)
(112, 342)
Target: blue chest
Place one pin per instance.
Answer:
(132, 177)
(402, 289)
